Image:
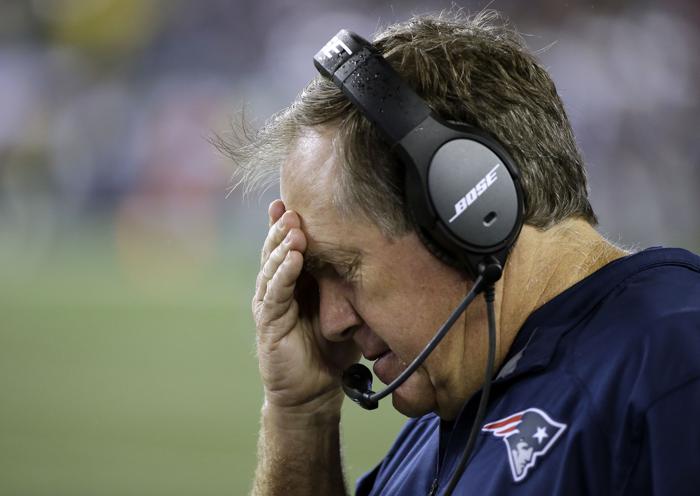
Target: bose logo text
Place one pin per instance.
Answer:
(334, 46)
(475, 192)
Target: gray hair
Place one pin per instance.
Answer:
(471, 69)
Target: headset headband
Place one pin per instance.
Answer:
(367, 79)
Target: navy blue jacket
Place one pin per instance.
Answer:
(600, 394)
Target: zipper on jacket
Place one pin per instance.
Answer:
(433, 487)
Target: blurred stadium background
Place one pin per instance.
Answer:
(126, 345)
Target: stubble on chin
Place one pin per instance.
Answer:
(415, 397)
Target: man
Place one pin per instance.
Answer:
(597, 350)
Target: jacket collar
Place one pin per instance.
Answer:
(537, 340)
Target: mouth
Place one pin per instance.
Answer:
(372, 357)
(382, 366)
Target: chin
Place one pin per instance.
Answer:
(412, 400)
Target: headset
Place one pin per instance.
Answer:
(461, 187)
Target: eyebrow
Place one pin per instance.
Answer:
(333, 255)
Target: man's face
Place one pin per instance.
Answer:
(522, 454)
(387, 296)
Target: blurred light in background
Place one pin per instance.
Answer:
(126, 346)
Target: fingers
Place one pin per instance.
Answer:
(275, 211)
(293, 241)
(280, 290)
(281, 261)
(278, 230)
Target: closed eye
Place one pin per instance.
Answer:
(335, 262)
(347, 272)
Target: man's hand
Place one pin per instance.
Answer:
(299, 368)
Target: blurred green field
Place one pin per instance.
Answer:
(108, 387)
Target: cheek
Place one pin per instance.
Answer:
(400, 319)
(405, 307)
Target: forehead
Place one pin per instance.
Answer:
(308, 185)
(308, 179)
(311, 170)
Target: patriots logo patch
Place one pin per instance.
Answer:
(527, 435)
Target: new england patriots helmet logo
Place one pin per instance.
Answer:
(527, 435)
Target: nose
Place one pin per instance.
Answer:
(337, 316)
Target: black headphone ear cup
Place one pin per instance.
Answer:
(473, 193)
